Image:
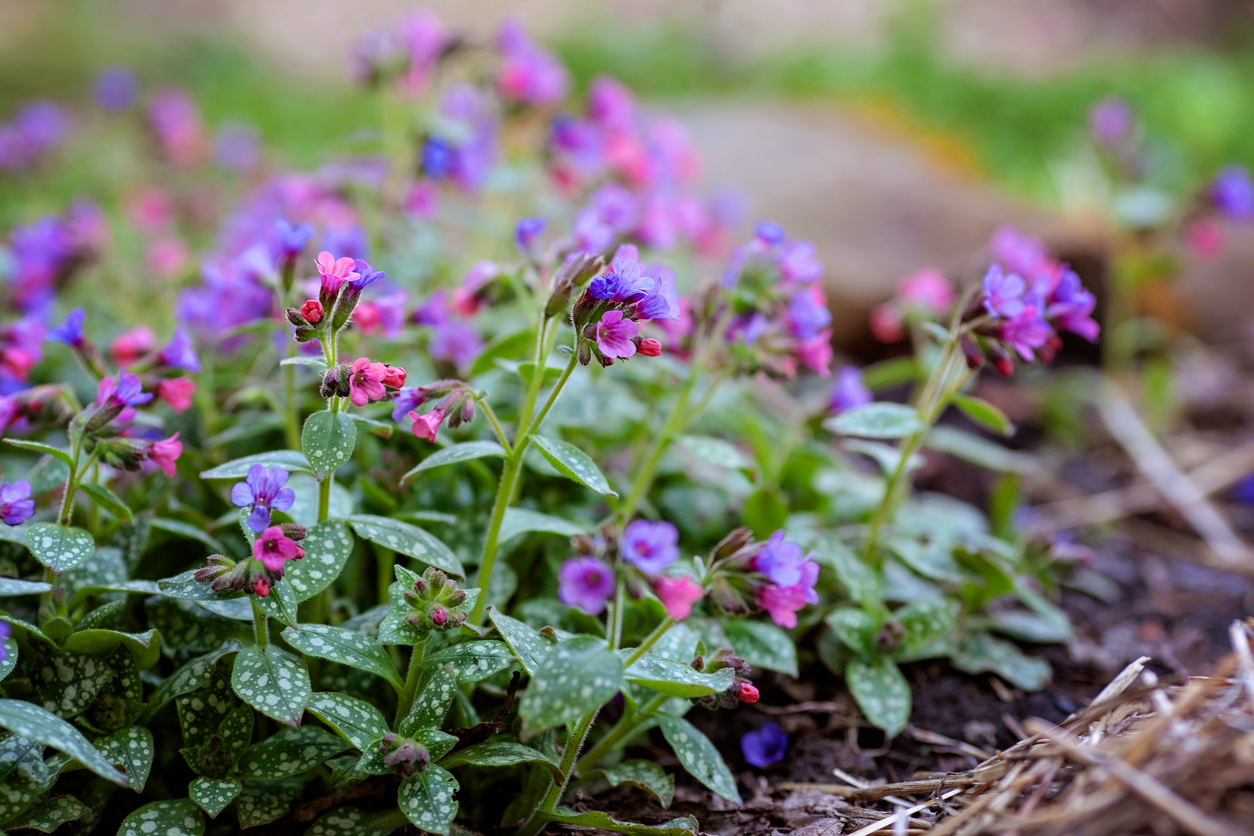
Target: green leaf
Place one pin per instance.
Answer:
(522, 521)
(697, 755)
(166, 818)
(675, 678)
(501, 753)
(854, 628)
(527, 643)
(8, 661)
(348, 647)
(37, 447)
(474, 661)
(765, 511)
(573, 463)
(144, 647)
(762, 645)
(261, 802)
(281, 603)
(107, 500)
(926, 620)
(359, 722)
(433, 702)
(317, 363)
(192, 676)
(327, 546)
(715, 451)
(877, 420)
(464, 452)
(683, 826)
(185, 586)
(50, 815)
(427, 799)
(13, 587)
(984, 414)
(290, 460)
(273, 681)
(350, 821)
(212, 794)
(133, 750)
(980, 451)
(383, 429)
(409, 540)
(288, 753)
(576, 676)
(66, 683)
(983, 653)
(191, 532)
(24, 775)
(436, 742)
(34, 723)
(881, 692)
(892, 372)
(645, 775)
(59, 547)
(328, 440)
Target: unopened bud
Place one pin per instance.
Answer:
(971, 351)
(311, 311)
(393, 376)
(261, 586)
(649, 347)
(439, 616)
(293, 531)
(747, 693)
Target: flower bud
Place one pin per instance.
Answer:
(293, 531)
(732, 543)
(335, 381)
(1002, 361)
(971, 351)
(311, 311)
(649, 347)
(123, 453)
(261, 586)
(439, 617)
(393, 376)
(747, 693)
(217, 565)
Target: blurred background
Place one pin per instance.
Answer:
(896, 134)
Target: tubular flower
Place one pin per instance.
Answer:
(585, 583)
(263, 490)
(274, 548)
(15, 503)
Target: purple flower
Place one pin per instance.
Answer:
(179, 352)
(528, 74)
(70, 332)
(849, 390)
(1071, 307)
(527, 231)
(292, 239)
(622, 284)
(585, 583)
(1021, 253)
(1243, 490)
(807, 316)
(650, 546)
(1026, 331)
(1110, 122)
(799, 263)
(15, 502)
(116, 89)
(438, 158)
(263, 490)
(127, 391)
(5, 632)
(366, 275)
(42, 125)
(406, 400)
(661, 303)
(782, 561)
(614, 335)
(770, 232)
(1003, 292)
(765, 746)
(455, 341)
(1232, 193)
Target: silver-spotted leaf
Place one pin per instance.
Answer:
(697, 755)
(881, 691)
(350, 821)
(359, 722)
(273, 681)
(474, 661)
(327, 441)
(13, 587)
(194, 674)
(167, 818)
(431, 705)
(261, 802)
(133, 750)
(683, 826)
(763, 645)
(577, 676)
(288, 753)
(327, 547)
(212, 794)
(59, 547)
(34, 723)
(49, 815)
(427, 800)
(877, 420)
(346, 647)
(573, 463)
(645, 775)
(676, 679)
(526, 642)
(409, 540)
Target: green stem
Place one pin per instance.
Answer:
(496, 424)
(406, 701)
(557, 390)
(644, 476)
(324, 497)
(649, 641)
(621, 731)
(539, 361)
(573, 744)
(66, 511)
(614, 623)
(259, 623)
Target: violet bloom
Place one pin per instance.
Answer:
(291, 238)
(70, 332)
(614, 335)
(799, 263)
(651, 546)
(528, 74)
(179, 352)
(263, 490)
(611, 102)
(439, 158)
(1243, 490)
(366, 275)
(661, 303)
(116, 89)
(1026, 331)
(126, 391)
(42, 125)
(1232, 193)
(1003, 292)
(849, 391)
(1071, 307)
(1110, 122)
(15, 503)
(527, 231)
(406, 400)
(764, 747)
(455, 341)
(781, 561)
(769, 232)
(807, 316)
(585, 583)
(624, 283)
(5, 632)
(1021, 253)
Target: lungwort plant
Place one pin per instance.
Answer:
(253, 574)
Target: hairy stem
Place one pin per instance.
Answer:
(621, 732)
(259, 623)
(412, 676)
(573, 744)
(649, 641)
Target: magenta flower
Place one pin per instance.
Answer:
(165, 453)
(1003, 292)
(426, 426)
(764, 747)
(274, 548)
(798, 262)
(177, 393)
(585, 583)
(127, 391)
(614, 335)
(15, 502)
(678, 595)
(365, 382)
(1071, 307)
(651, 546)
(131, 345)
(782, 603)
(334, 272)
(849, 391)
(264, 490)
(528, 74)
(1110, 122)
(927, 289)
(1026, 331)
(1020, 253)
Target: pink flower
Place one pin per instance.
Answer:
(614, 335)
(274, 548)
(678, 595)
(748, 693)
(426, 426)
(335, 272)
(165, 453)
(312, 311)
(367, 317)
(365, 382)
(167, 257)
(177, 393)
(393, 376)
(650, 347)
(261, 586)
(129, 346)
(927, 289)
(782, 603)
(817, 353)
(1205, 239)
(886, 323)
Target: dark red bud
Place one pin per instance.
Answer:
(748, 693)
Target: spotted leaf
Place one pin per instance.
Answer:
(573, 463)
(676, 679)
(290, 460)
(350, 821)
(474, 661)
(34, 723)
(762, 645)
(328, 440)
(346, 647)
(697, 755)
(409, 540)
(439, 689)
(195, 674)
(427, 800)
(261, 802)
(66, 683)
(133, 750)
(881, 692)
(645, 775)
(49, 815)
(281, 603)
(501, 753)
(327, 546)
(23, 774)
(273, 681)
(456, 453)
(684, 826)
(167, 818)
(359, 722)
(13, 587)
(144, 647)
(526, 642)
(288, 753)
(213, 795)
(59, 547)
(577, 676)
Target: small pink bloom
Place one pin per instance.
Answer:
(261, 586)
(817, 353)
(927, 289)
(1205, 239)
(312, 311)
(274, 548)
(165, 453)
(439, 616)
(17, 362)
(426, 426)
(614, 335)
(886, 323)
(129, 346)
(782, 603)
(365, 382)
(747, 693)
(334, 272)
(678, 595)
(423, 200)
(177, 393)
(393, 376)
(367, 317)
(650, 347)
(167, 257)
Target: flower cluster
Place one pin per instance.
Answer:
(742, 688)
(775, 576)
(436, 603)
(43, 256)
(262, 491)
(35, 130)
(454, 405)
(273, 547)
(607, 315)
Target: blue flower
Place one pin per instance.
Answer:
(438, 158)
(365, 275)
(179, 352)
(291, 238)
(527, 231)
(765, 746)
(70, 332)
(650, 546)
(263, 489)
